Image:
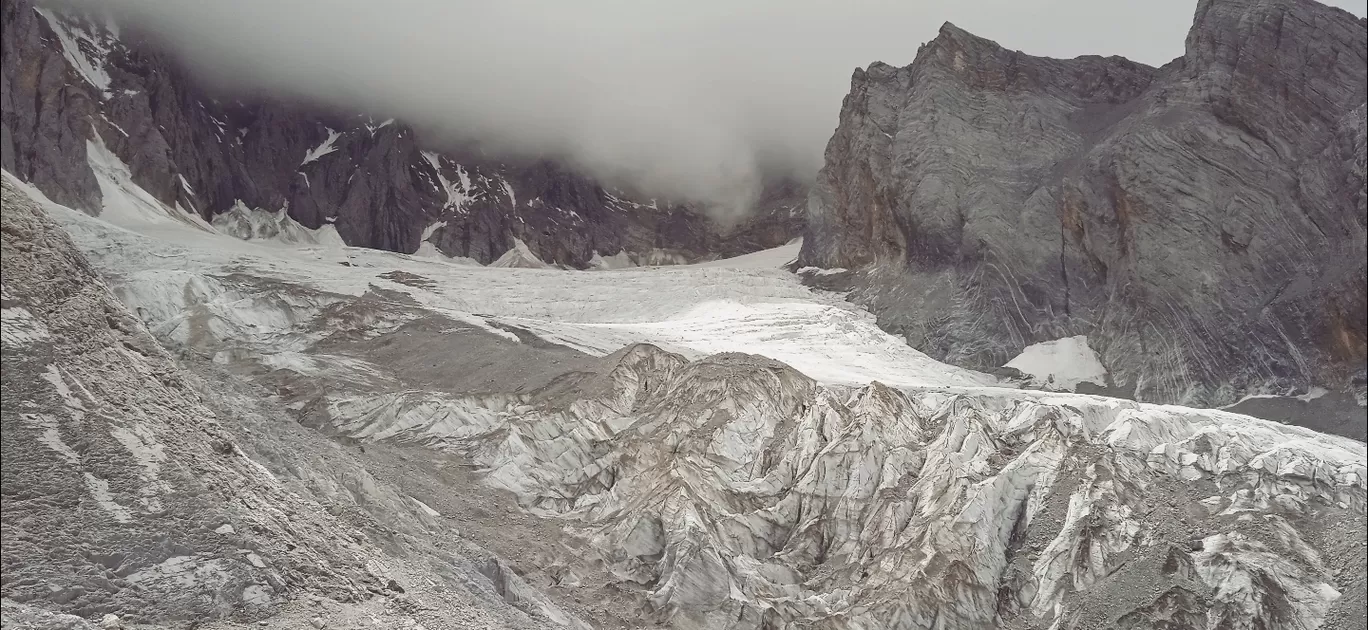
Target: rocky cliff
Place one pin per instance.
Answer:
(77, 89)
(1203, 223)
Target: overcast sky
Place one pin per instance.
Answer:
(689, 97)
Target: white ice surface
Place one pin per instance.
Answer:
(764, 259)
(745, 305)
(1062, 363)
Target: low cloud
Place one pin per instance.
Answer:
(696, 99)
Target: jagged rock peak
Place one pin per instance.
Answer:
(950, 35)
(948, 39)
(1218, 24)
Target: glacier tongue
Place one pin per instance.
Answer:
(698, 487)
(738, 493)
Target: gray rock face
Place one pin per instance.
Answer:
(69, 80)
(1203, 223)
(565, 218)
(44, 112)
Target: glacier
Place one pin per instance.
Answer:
(718, 446)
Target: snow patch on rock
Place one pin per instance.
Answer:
(458, 193)
(19, 328)
(122, 200)
(1061, 364)
(327, 146)
(72, 36)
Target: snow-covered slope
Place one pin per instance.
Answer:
(704, 447)
(520, 257)
(746, 305)
(766, 259)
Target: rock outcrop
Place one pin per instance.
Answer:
(70, 81)
(1203, 223)
(45, 119)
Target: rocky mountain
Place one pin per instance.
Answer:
(217, 415)
(452, 429)
(80, 94)
(1203, 223)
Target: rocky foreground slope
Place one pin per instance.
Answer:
(1203, 223)
(79, 94)
(134, 487)
(405, 436)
